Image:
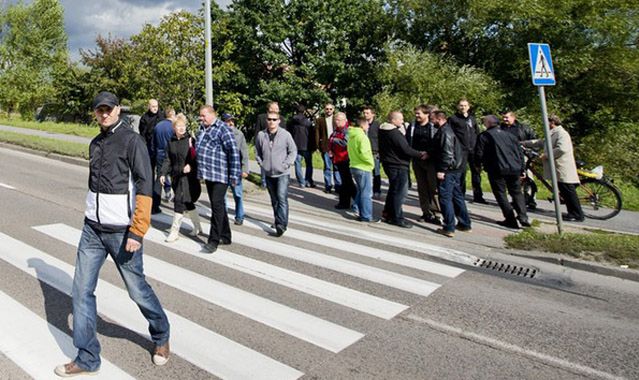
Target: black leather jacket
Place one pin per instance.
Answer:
(449, 152)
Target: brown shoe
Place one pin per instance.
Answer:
(446, 233)
(71, 370)
(161, 354)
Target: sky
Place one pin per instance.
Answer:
(85, 19)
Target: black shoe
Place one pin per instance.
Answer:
(432, 219)
(225, 242)
(156, 211)
(461, 228)
(239, 222)
(209, 248)
(403, 224)
(570, 218)
(312, 185)
(328, 190)
(480, 200)
(525, 223)
(279, 230)
(509, 224)
(342, 207)
(531, 206)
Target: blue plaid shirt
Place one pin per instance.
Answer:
(218, 159)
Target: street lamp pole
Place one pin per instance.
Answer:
(208, 70)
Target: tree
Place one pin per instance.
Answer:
(412, 77)
(33, 45)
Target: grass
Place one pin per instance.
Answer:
(46, 144)
(62, 128)
(596, 245)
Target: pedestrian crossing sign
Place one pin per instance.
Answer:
(541, 66)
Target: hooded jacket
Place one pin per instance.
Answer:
(360, 152)
(393, 147)
(275, 156)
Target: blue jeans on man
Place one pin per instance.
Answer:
(364, 196)
(451, 202)
(239, 203)
(305, 179)
(397, 191)
(330, 172)
(92, 251)
(278, 190)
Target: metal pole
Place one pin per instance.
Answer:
(551, 158)
(208, 70)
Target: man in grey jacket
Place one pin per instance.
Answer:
(275, 152)
(244, 159)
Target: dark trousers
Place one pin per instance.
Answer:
(347, 190)
(180, 207)
(396, 195)
(569, 195)
(499, 184)
(452, 202)
(278, 191)
(475, 179)
(377, 176)
(426, 178)
(220, 228)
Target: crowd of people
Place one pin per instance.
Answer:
(128, 172)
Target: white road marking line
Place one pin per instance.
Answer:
(210, 351)
(504, 346)
(362, 250)
(375, 235)
(366, 272)
(7, 186)
(298, 324)
(340, 295)
(37, 346)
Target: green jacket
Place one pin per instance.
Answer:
(360, 153)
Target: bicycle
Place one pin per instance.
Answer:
(599, 197)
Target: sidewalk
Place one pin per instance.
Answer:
(486, 233)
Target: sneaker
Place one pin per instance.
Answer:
(360, 219)
(239, 222)
(161, 354)
(403, 224)
(431, 219)
(279, 230)
(444, 232)
(209, 248)
(72, 369)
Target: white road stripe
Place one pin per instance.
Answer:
(210, 351)
(309, 328)
(7, 186)
(362, 250)
(37, 346)
(374, 235)
(341, 295)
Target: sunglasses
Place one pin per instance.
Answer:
(269, 119)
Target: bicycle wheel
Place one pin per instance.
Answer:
(599, 199)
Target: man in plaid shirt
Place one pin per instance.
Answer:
(218, 161)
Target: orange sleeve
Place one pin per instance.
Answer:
(141, 217)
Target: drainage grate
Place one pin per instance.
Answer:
(516, 270)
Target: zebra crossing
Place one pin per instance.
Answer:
(45, 346)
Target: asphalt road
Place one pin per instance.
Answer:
(331, 299)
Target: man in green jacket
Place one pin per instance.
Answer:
(362, 163)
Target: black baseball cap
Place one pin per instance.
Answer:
(105, 98)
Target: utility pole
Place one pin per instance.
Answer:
(208, 70)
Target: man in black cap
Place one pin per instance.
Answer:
(114, 224)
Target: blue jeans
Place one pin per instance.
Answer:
(263, 177)
(307, 178)
(330, 172)
(239, 203)
(451, 200)
(278, 190)
(397, 191)
(364, 196)
(92, 251)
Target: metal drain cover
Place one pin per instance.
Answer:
(516, 270)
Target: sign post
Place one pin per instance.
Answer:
(543, 74)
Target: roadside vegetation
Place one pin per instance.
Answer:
(593, 245)
(47, 145)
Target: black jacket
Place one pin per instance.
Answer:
(373, 136)
(186, 187)
(420, 137)
(449, 154)
(499, 152)
(300, 127)
(521, 131)
(148, 121)
(394, 150)
(120, 182)
(466, 130)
